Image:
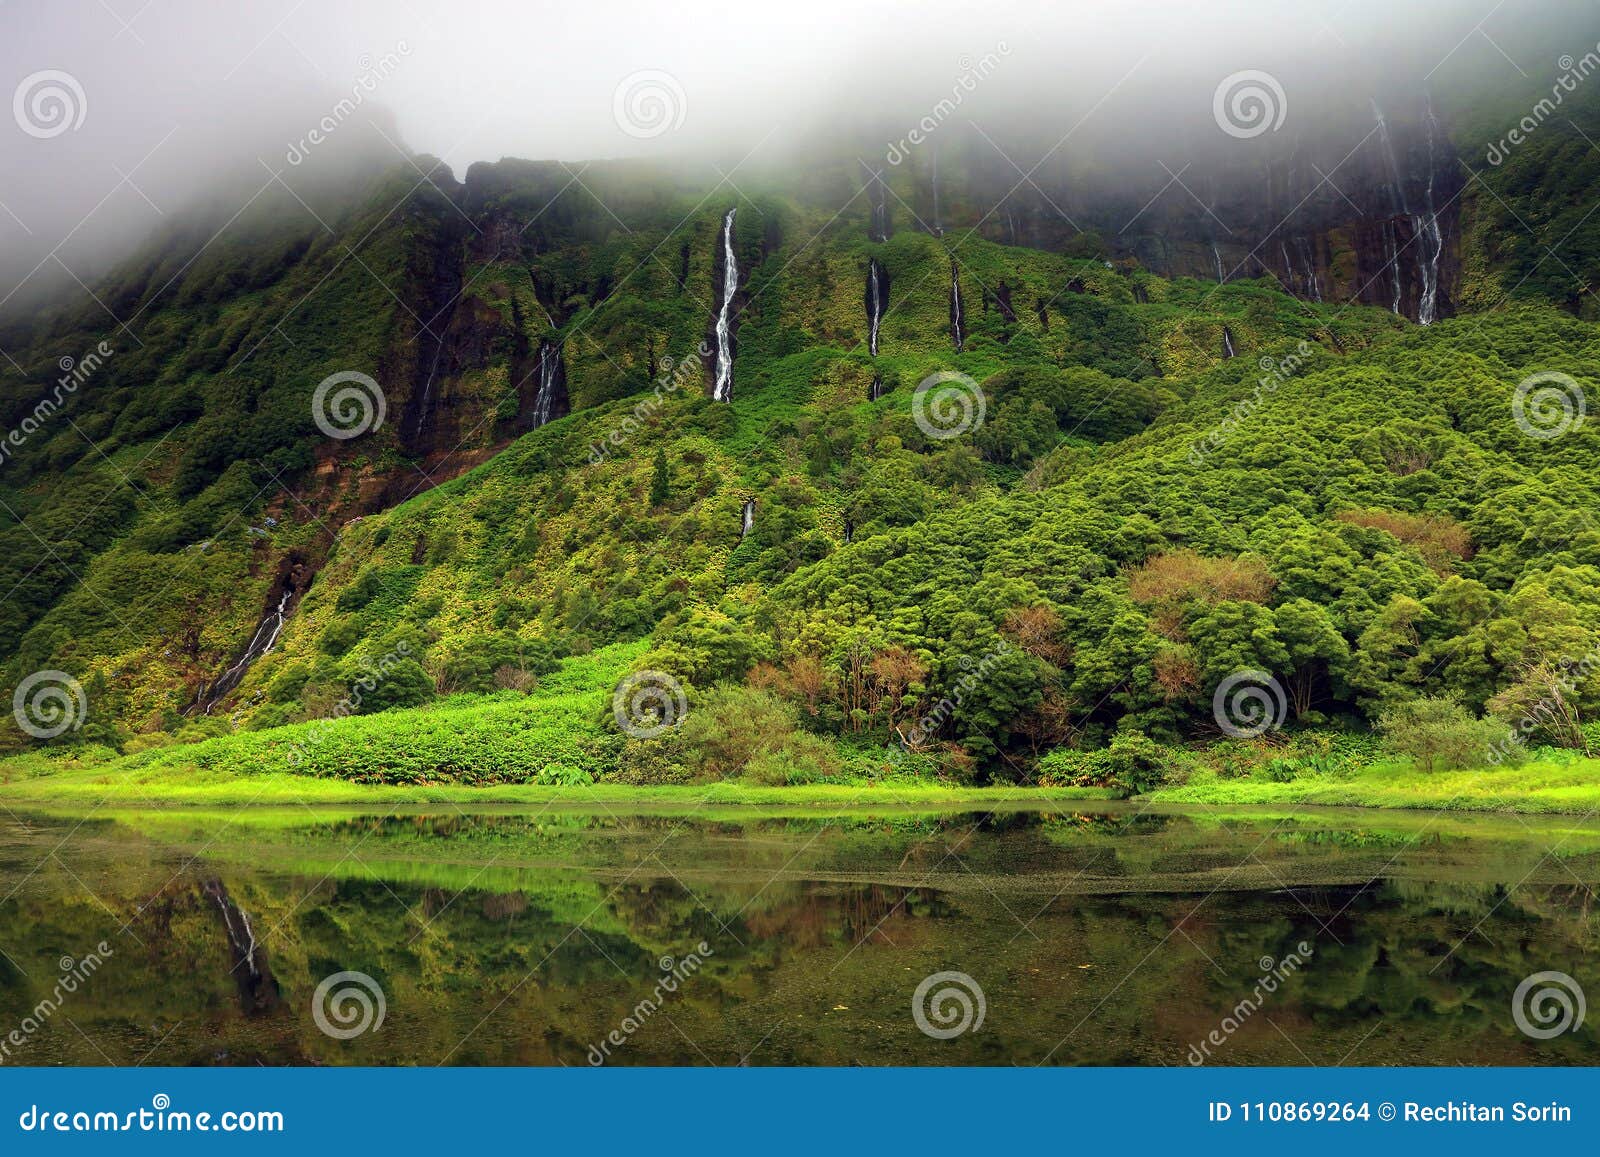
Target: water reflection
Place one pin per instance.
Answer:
(1106, 938)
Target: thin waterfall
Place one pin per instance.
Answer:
(264, 639)
(1216, 255)
(957, 316)
(1431, 237)
(722, 388)
(877, 293)
(1391, 256)
(875, 391)
(1288, 264)
(1227, 343)
(1312, 283)
(552, 384)
(747, 517)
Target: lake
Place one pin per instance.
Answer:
(1118, 935)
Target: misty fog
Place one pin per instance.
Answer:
(168, 101)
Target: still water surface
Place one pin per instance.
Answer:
(1114, 937)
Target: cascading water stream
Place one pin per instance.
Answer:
(876, 390)
(876, 292)
(1227, 343)
(722, 387)
(1216, 255)
(957, 316)
(265, 637)
(550, 383)
(1431, 237)
(747, 517)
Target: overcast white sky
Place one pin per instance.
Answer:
(175, 91)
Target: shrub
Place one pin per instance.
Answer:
(406, 684)
(1440, 733)
(1183, 574)
(1133, 763)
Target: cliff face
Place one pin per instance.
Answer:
(1368, 214)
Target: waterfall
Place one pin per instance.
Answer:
(876, 292)
(1312, 283)
(747, 517)
(1216, 256)
(265, 638)
(552, 384)
(1391, 250)
(1288, 265)
(1227, 343)
(1432, 238)
(722, 388)
(956, 314)
(876, 390)
(849, 530)
(1397, 187)
(878, 228)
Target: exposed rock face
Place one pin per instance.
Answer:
(1369, 215)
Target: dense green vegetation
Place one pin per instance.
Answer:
(1054, 595)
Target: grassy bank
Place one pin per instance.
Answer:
(1542, 786)
(171, 786)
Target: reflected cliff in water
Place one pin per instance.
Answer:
(1105, 938)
